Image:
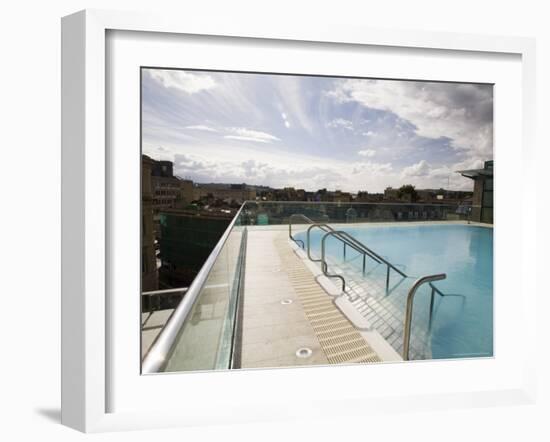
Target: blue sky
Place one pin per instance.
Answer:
(314, 132)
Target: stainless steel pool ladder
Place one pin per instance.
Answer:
(409, 309)
(347, 240)
(297, 215)
(357, 245)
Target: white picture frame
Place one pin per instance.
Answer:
(86, 216)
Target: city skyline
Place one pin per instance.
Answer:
(315, 132)
(313, 191)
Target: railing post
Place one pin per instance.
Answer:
(324, 265)
(431, 307)
(290, 226)
(364, 258)
(344, 251)
(387, 277)
(297, 241)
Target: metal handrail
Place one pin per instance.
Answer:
(161, 348)
(347, 239)
(165, 291)
(366, 252)
(374, 254)
(408, 311)
(326, 228)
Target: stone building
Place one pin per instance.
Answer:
(482, 200)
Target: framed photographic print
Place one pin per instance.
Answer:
(322, 217)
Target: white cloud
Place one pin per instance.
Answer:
(243, 134)
(426, 176)
(422, 168)
(184, 81)
(461, 112)
(372, 168)
(202, 127)
(341, 123)
(367, 152)
(471, 163)
(236, 170)
(242, 163)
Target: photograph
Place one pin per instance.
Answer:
(311, 220)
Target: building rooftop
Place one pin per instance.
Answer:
(263, 302)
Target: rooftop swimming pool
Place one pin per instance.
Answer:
(461, 324)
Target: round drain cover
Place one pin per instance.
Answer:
(286, 301)
(303, 352)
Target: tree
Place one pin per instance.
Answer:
(406, 190)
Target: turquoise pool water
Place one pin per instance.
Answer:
(461, 326)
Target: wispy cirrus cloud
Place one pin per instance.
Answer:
(243, 134)
(202, 127)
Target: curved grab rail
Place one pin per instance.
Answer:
(346, 239)
(408, 311)
(160, 350)
(357, 245)
(324, 266)
(297, 215)
(353, 243)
